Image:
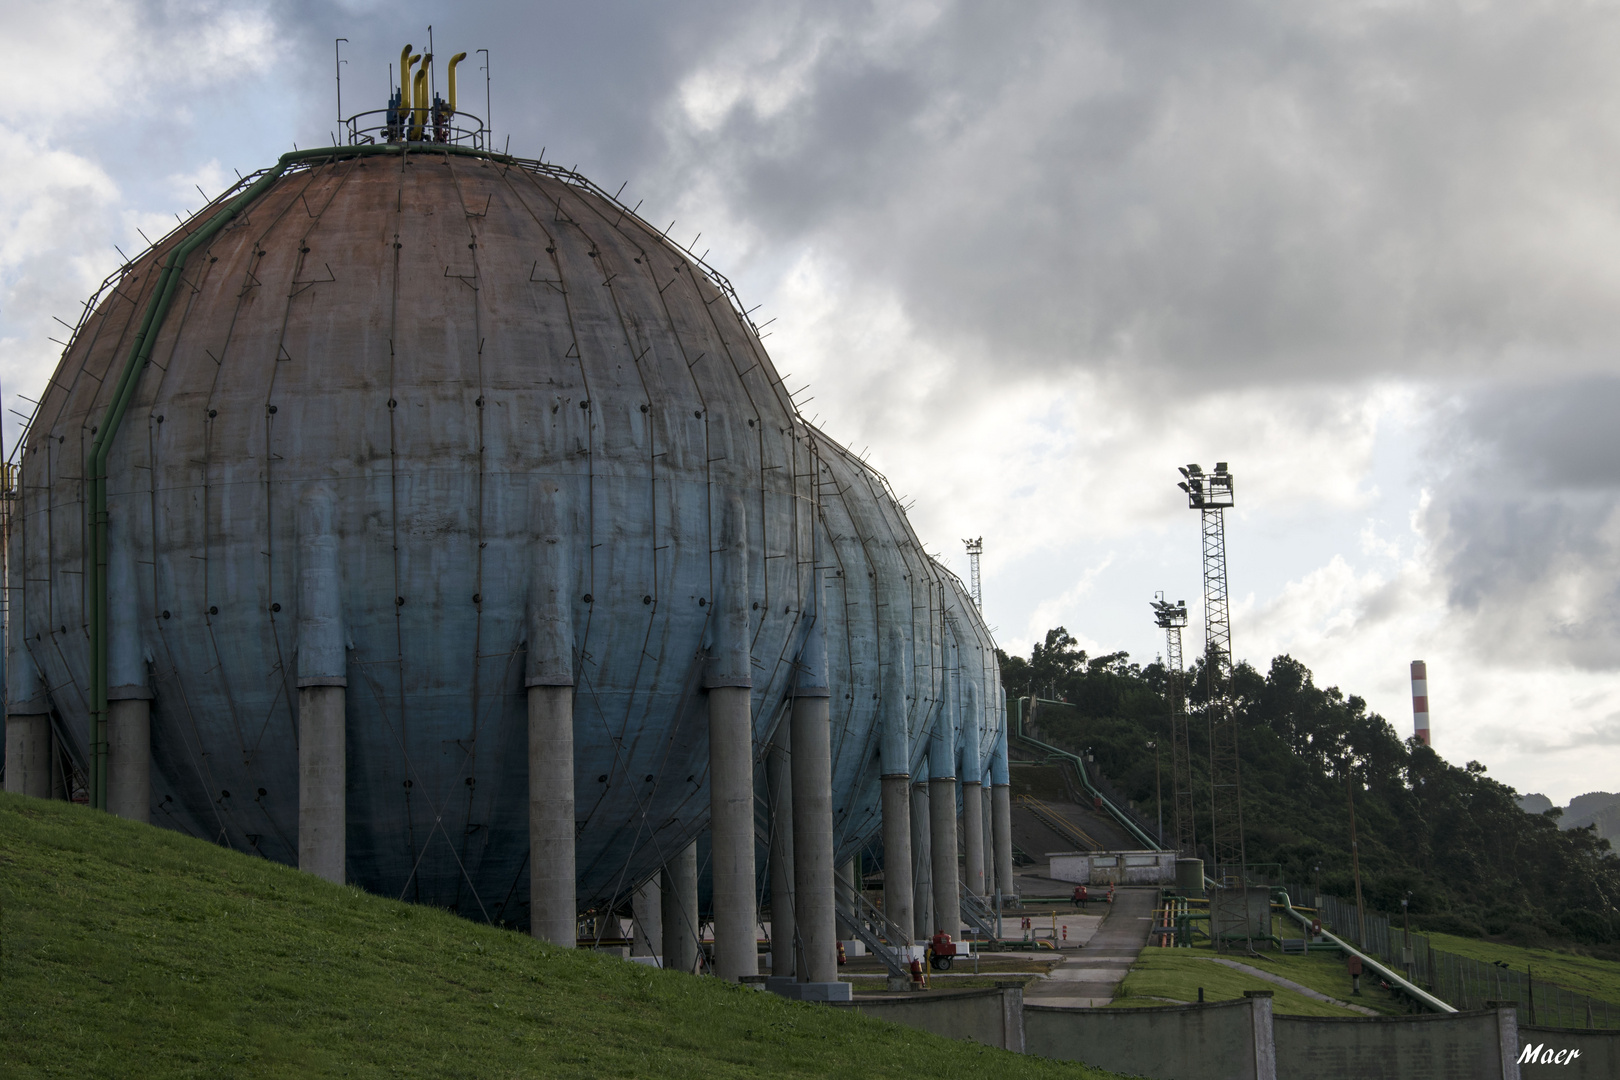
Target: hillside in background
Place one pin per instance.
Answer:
(1450, 838)
(1600, 809)
(128, 950)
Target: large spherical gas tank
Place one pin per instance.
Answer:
(421, 342)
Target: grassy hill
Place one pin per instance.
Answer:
(129, 950)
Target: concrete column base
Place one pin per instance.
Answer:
(1001, 832)
(973, 837)
(28, 755)
(897, 897)
(731, 827)
(553, 910)
(647, 932)
(812, 841)
(679, 910)
(922, 864)
(323, 776)
(942, 842)
(809, 991)
(129, 759)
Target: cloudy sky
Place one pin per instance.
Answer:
(1034, 256)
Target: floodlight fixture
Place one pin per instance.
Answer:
(1208, 491)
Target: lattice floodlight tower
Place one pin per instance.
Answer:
(1211, 494)
(1171, 618)
(975, 548)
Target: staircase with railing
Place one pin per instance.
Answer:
(978, 913)
(873, 929)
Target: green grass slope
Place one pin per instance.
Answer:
(1584, 974)
(1176, 975)
(132, 951)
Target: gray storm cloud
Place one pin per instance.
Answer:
(1203, 198)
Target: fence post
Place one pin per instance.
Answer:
(1507, 1039)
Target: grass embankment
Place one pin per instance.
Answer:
(1584, 974)
(133, 951)
(1176, 974)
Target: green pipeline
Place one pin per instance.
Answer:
(124, 392)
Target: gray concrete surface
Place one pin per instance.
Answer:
(973, 836)
(129, 758)
(942, 854)
(678, 910)
(322, 782)
(993, 1017)
(28, 755)
(779, 797)
(1230, 1040)
(553, 912)
(1436, 1046)
(812, 818)
(1089, 978)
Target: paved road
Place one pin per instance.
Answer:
(1089, 978)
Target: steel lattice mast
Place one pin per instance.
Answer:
(1171, 618)
(1211, 494)
(975, 548)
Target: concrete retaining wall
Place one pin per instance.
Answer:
(1464, 1046)
(992, 1017)
(1224, 1041)
(1113, 867)
(1599, 1053)
(1243, 1040)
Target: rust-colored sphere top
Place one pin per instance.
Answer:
(426, 338)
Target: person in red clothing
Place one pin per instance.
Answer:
(842, 959)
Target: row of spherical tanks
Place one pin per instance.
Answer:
(421, 516)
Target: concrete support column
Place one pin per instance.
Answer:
(129, 710)
(553, 912)
(647, 920)
(1001, 822)
(779, 779)
(988, 828)
(895, 751)
(1001, 813)
(731, 758)
(922, 868)
(899, 901)
(848, 881)
(973, 837)
(549, 676)
(322, 782)
(28, 754)
(942, 839)
(28, 713)
(731, 827)
(812, 806)
(679, 914)
(322, 703)
(942, 801)
(129, 758)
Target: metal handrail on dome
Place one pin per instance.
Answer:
(444, 127)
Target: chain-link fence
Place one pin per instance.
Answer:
(1460, 981)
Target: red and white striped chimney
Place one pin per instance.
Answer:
(1420, 701)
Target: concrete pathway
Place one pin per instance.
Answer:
(1314, 995)
(1089, 978)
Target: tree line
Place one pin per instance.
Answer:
(1449, 839)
